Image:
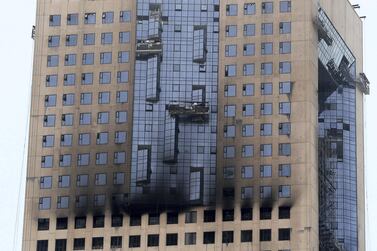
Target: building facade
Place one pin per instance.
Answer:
(202, 124)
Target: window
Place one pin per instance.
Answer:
(246, 193)
(247, 151)
(285, 27)
(153, 240)
(265, 235)
(249, 30)
(134, 241)
(266, 109)
(83, 159)
(122, 97)
(122, 77)
(49, 120)
(266, 69)
(116, 242)
(62, 223)
(285, 87)
(208, 237)
(267, 48)
(266, 129)
(97, 243)
(63, 202)
(120, 117)
(247, 172)
(285, 149)
(88, 58)
(285, 6)
(43, 224)
(73, 19)
(42, 245)
(229, 131)
(247, 110)
(101, 158)
(190, 238)
(284, 234)
(80, 222)
(229, 152)
(246, 235)
(228, 172)
(103, 117)
(266, 150)
(248, 90)
(285, 128)
(103, 97)
(107, 17)
(84, 139)
(89, 38)
(248, 69)
(154, 219)
(177, 28)
(52, 60)
(285, 108)
(104, 77)
(53, 41)
(284, 67)
(67, 119)
(87, 78)
(227, 237)
(85, 118)
(266, 88)
(228, 193)
(231, 50)
(68, 99)
(284, 170)
(51, 80)
(247, 130)
(79, 244)
(267, 7)
(123, 57)
(190, 217)
(230, 70)
(98, 221)
(54, 20)
(45, 182)
(118, 178)
(100, 179)
(228, 214)
(209, 216)
(64, 181)
(90, 18)
(60, 245)
(69, 79)
(267, 28)
(71, 40)
(249, 9)
(107, 38)
(172, 218)
(48, 141)
(82, 180)
(249, 49)
(124, 37)
(246, 214)
(119, 157)
(231, 9)
(285, 47)
(284, 212)
(231, 30)
(265, 171)
(65, 160)
(284, 191)
(86, 98)
(265, 192)
(116, 220)
(171, 239)
(105, 57)
(135, 220)
(47, 161)
(120, 137)
(44, 203)
(125, 16)
(81, 201)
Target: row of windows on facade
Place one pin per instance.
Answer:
(153, 240)
(87, 59)
(265, 129)
(82, 180)
(265, 69)
(90, 18)
(267, 48)
(265, 109)
(86, 98)
(247, 151)
(209, 216)
(87, 78)
(265, 171)
(99, 200)
(230, 90)
(231, 30)
(88, 39)
(83, 159)
(250, 8)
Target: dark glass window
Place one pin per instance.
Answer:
(228, 215)
(265, 235)
(62, 223)
(246, 235)
(98, 221)
(42, 245)
(80, 222)
(209, 215)
(79, 244)
(153, 240)
(117, 220)
(97, 243)
(190, 217)
(171, 239)
(284, 212)
(135, 220)
(208, 237)
(60, 245)
(43, 224)
(246, 213)
(116, 242)
(190, 238)
(265, 213)
(172, 218)
(284, 234)
(134, 241)
(227, 237)
(154, 219)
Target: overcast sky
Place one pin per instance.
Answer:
(16, 20)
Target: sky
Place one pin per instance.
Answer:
(16, 48)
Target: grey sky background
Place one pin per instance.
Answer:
(16, 49)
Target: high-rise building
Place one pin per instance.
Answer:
(196, 125)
